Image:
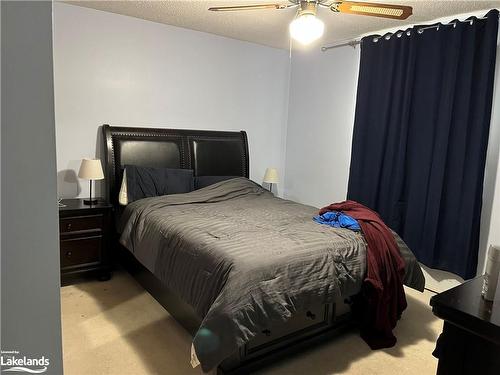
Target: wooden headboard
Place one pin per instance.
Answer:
(207, 153)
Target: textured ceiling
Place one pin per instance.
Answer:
(270, 27)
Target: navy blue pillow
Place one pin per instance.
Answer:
(202, 181)
(145, 182)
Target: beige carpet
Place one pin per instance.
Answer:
(117, 328)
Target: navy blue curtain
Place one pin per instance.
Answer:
(420, 136)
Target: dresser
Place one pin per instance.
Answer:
(470, 342)
(84, 233)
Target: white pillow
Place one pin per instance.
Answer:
(122, 196)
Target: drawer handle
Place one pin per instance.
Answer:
(310, 315)
(68, 227)
(266, 332)
(69, 254)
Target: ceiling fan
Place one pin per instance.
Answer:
(306, 27)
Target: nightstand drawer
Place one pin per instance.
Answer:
(84, 233)
(80, 251)
(75, 224)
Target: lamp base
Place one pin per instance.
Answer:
(90, 202)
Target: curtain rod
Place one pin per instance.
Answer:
(354, 42)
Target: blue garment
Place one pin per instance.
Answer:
(337, 220)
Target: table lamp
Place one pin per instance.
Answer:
(271, 177)
(91, 169)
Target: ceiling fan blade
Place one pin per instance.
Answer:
(398, 12)
(248, 7)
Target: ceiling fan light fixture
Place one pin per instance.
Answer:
(306, 28)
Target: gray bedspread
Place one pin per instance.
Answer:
(242, 257)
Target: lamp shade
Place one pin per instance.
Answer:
(271, 176)
(91, 169)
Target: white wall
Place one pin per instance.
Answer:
(125, 71)
(319, 136)
(320, 122)
(490, 220)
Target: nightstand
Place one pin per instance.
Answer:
(84, 233)
(470, 342)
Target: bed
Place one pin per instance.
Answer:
(249, 275)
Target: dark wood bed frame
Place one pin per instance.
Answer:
(210, 153)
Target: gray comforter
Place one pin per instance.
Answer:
(242, 257)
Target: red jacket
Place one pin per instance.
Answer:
(382, 298)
